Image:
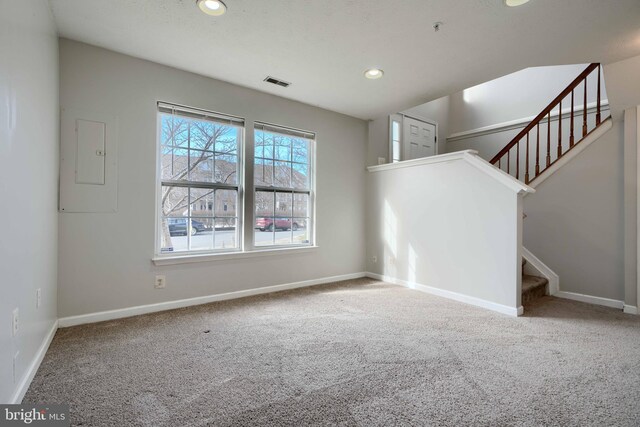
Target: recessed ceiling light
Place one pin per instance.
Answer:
(373, 73)
(212, 7)
(514, 3)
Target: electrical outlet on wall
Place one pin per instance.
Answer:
(375, 259)
(15, 326)
(160, 282)
(38, 297)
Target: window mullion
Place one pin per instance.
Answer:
(248, 193)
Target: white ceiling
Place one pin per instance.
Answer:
(324, 46)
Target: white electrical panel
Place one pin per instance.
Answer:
(88, 162)
(90, 152)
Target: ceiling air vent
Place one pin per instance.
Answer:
(275, 81)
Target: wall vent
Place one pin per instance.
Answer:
(278, 82)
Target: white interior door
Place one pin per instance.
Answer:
(419, 139)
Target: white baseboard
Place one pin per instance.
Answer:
(630, 309)
(547, 273)
(169, 305)
(500, 308)
(25, 382)
(613, 303)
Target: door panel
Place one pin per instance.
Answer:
(419, 139)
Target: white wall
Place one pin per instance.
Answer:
(460, 235)
(105, 259)
(624, 84)
(630, 162)
(378, 140)
(575, 221)
(28, 182)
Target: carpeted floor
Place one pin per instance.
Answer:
(352, 353)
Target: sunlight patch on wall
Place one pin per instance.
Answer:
(474, 94)
(390, 234)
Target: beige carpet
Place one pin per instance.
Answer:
(353, 353)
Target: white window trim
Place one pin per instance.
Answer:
(190, 257)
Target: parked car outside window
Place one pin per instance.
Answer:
(268, 224)
(178, 227)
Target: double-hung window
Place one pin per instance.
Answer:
(199, 183)
(202, 206)
(283, 182)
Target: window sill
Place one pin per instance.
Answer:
(193, 258)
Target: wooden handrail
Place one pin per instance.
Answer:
(547, 112)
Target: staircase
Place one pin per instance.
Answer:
(555, 131)
(549, 137)
(532, 286)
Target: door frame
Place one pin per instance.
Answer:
(401, 116)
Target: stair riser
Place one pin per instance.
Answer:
(534, 293)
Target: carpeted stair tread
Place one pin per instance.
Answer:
(533, 287)
(532, 282)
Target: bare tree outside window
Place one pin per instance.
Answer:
(199, 173)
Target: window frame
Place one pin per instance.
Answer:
(395, 119)
(310, 192)
(196, 113)
(245, 207)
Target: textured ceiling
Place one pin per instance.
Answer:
(323, 47)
